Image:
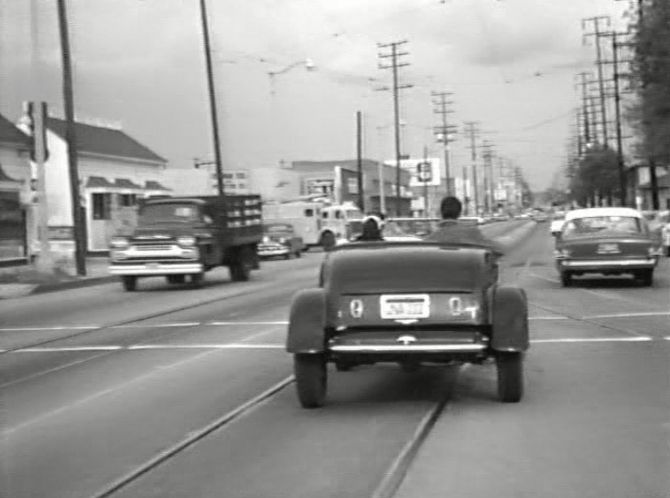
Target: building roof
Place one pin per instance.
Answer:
(11, 134)
(105, 141)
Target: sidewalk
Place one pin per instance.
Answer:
(18, 281)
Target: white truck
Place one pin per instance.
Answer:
(318, 223)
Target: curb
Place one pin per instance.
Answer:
(73, 284)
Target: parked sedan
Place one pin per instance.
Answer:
(280, 240)
(608, 241)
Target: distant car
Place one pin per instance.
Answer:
(280, 240)
(407, 303)
(609, 241)
(540, 216)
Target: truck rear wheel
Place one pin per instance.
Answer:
(327, 241)
(129, 282)
(240, 271)
(197, 279)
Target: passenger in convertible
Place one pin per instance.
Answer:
(372, 228)
(452, 231)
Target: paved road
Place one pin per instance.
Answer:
(198, 394)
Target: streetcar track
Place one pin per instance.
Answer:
(192, 438)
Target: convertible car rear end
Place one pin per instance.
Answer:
(408, 303)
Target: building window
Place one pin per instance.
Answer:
(127, 200)
(101, 206)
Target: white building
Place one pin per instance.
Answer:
(114, 169)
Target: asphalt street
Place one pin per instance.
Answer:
(171, 391)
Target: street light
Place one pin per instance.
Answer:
(307, 63)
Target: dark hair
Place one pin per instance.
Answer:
(371, 230)
(451, 207)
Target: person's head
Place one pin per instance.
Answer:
(372, 228)
(451, 208)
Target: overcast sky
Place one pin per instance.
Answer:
(509, 63)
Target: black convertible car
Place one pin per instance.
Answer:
(407, 302)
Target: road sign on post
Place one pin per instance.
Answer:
(424, 172)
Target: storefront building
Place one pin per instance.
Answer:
(14, 192)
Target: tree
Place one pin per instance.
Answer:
(651, 74)
(596, 177)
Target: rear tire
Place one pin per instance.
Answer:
(646, 277)
(129, 282)
(240, 268)
(566, 279)
(327, 241)
(510, 377)
(197, 280)
(311, 379)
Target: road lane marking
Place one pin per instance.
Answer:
(626, 315)
(50, 328)
(549, 318)
(592, 339)
(141, 326)
(278, 346)
(157, 325)
(205, 346)
(66, 349)
(278, 322)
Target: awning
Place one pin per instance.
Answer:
(154, 185)
(7, 182)
(127, 184)
(98, 182)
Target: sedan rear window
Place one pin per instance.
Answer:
(600, 224)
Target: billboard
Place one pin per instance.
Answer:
(426, 171)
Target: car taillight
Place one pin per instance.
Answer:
(464, 306)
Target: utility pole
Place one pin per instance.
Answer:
(425, 182)
(71, 143)
(585, 112)
(616, 45)
(488, 173)
(471, 128)
(37, 126)
(597, 33)
(441, 106)
(395, 64)
(359, 159)
(212, 98)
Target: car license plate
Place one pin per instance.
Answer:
(403, 306)
(608, 249)
(153, 266)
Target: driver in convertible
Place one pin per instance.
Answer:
(452, 231)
